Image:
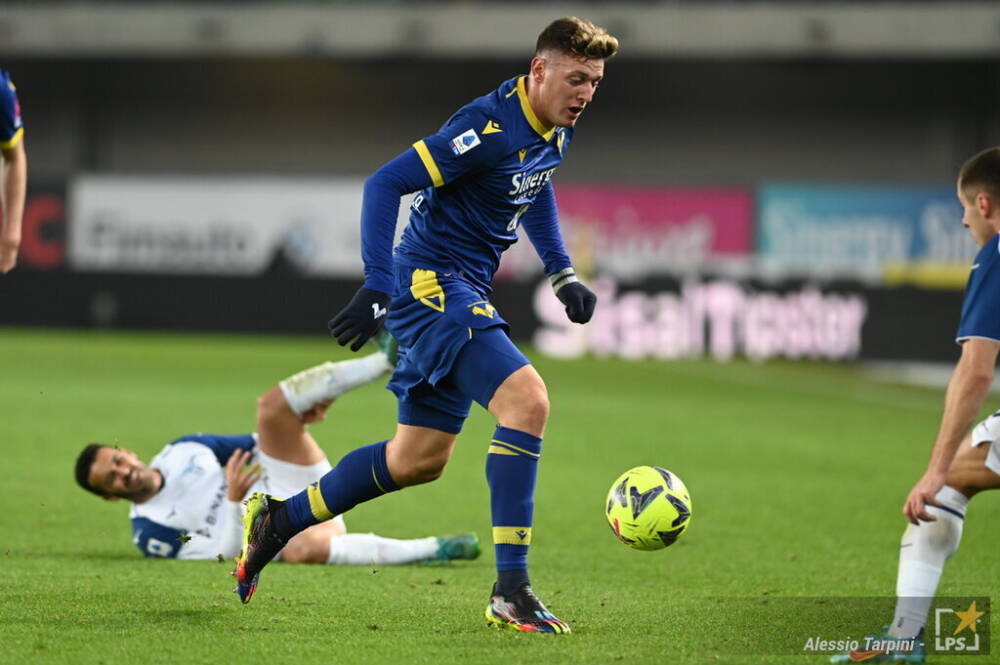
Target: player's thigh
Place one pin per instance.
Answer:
(972, 470)
(284, 479)
(491, 366)
(281, 433)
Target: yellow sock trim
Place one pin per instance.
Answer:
(316, 503)
(512, 535)
(500, 450)
(522, 451)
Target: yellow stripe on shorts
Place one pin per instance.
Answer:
(316, 503)
(512, 535)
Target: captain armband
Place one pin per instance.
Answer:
(562, 278)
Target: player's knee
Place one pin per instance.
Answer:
(535, 406)
(271, 404)
(523, 404)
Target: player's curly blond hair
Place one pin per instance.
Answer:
(577, 36)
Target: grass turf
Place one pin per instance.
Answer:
(797, 472)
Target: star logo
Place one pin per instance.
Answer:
(968, 618)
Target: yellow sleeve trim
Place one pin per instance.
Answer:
(14, 140)
(429, 163)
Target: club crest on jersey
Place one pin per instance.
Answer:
(465, 142)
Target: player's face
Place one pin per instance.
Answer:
(566, 84)
(980, 229)
(117, 472)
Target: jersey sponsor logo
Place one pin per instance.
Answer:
(492, 127)
(465, 142)
(529, 184)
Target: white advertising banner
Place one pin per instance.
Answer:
(212, 225)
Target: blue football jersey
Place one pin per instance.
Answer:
(981, 307)
(488, 163)
(11, 125)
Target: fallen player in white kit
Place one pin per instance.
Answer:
(187, 503)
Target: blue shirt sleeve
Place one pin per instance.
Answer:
(379, 210)
(11, 125)
(469, 142)
(981, 306)
(541, 222)
(156, 540)
(222, 445)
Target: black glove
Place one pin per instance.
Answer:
(361, 319)
(579, 301)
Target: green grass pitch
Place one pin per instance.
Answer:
(797, 473)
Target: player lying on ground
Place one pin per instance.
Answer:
(487, 171)
(961, 464)
(187, 503)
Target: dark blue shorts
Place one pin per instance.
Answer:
(453, 349)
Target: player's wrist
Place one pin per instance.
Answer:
(563, 278)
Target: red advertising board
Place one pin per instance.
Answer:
(636, 232)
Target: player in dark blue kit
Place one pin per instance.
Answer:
(485, 173)
(962, 463)
(13, 173)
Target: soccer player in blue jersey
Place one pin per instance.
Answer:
(485, 173)
(13, 172)
(962, 463)
(186, 503)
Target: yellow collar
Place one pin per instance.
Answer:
(529, 114)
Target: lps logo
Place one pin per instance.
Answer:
(955, 631)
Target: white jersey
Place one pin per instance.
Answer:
(189, 517)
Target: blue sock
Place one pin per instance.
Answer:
(359, 476)
(511, 469)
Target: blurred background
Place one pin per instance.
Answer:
(754, 179)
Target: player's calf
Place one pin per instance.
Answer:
(418, 455)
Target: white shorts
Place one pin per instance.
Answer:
(284, 479)
(988, 431)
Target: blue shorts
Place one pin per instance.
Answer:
(453, 349)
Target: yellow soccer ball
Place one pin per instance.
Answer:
(648, 508)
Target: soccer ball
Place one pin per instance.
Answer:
(648, 508)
